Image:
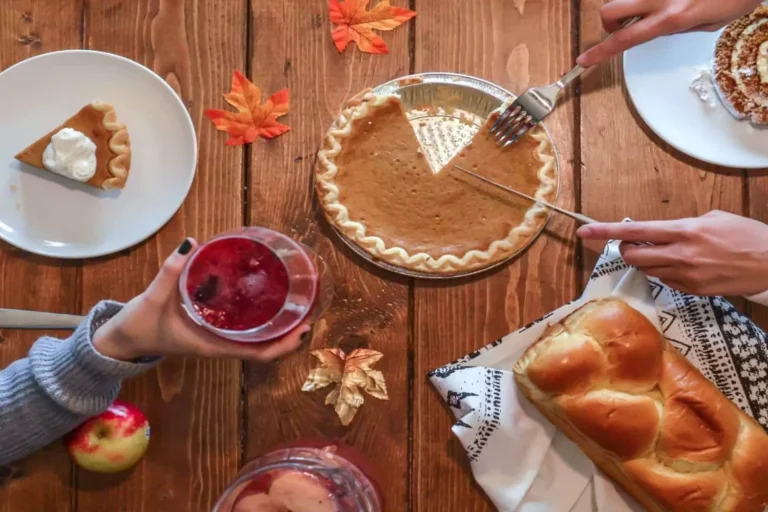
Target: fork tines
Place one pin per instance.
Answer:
(511, 125)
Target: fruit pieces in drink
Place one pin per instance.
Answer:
(236, 283)
(288, 491)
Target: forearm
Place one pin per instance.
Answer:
(58, 386)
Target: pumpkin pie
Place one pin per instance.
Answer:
(377, 188)
(93, 132)
(741, 66)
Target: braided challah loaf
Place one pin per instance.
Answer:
(608, 379)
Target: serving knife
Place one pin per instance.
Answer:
(583, 219)
(576, 216)
(21, 319)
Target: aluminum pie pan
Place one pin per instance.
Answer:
(467, 101)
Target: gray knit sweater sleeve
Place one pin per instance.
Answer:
(58, 386)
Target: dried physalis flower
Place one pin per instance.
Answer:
(353, 374)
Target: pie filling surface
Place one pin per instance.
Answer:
(376, 186)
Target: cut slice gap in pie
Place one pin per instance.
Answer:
(91, 147)
(377, 188)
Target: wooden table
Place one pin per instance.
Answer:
(209, 417)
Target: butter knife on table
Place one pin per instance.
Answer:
(21, 319)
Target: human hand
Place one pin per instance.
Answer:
(659, 18)
(716, 254)
(155, 324)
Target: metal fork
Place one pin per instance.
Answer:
(531, 107)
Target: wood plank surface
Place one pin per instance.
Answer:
(193, 406)
(627, 170)
(30, 282)
(757, 182)
(516, 45)
(292, 48)
(210, 417)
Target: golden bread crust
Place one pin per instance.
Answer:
(644, 414)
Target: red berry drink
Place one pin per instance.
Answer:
(253, 285)
(307, 477)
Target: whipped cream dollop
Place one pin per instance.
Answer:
(71, 154)
(703, 86)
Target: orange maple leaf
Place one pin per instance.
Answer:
(252, 118)
(357, 24)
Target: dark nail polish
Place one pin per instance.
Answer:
(185, 247)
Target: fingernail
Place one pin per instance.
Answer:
(584, 231)
(185, 247)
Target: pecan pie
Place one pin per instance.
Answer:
(741, 66)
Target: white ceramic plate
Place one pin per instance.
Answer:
(53, 216)
(658, 75)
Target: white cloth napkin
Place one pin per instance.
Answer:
(521, 461)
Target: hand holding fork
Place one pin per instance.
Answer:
(531, 107)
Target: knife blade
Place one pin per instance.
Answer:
(576, 216)
(21, 319)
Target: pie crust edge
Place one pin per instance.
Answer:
(338, 214)
(119, 143)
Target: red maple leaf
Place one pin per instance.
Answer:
(355, 23)
(252, 119)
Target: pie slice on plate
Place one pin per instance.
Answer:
(377, 188)
(91, 147)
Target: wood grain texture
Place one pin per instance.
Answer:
(193, 406)
(627, 170)
(516, 45)
(30, 282)
(292, 48)
(757, 182)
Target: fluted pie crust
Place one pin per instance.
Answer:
(377, 188)
(99, 122)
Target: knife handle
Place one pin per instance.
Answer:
(20, 319)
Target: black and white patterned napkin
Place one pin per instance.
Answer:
(516, 455)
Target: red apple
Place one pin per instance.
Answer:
(111, 442)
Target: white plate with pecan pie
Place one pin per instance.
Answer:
(706, 93)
